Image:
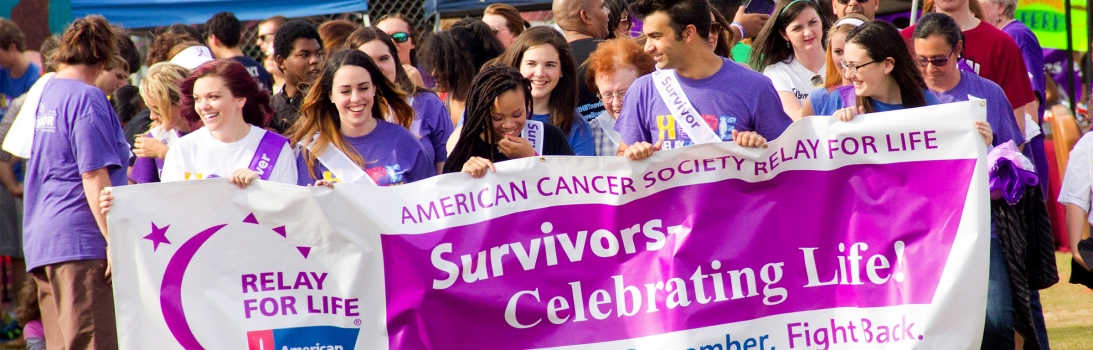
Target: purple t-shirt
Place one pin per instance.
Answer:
(733, 98)
(999, 112)
(76, 131)
(392, 154)
(432, 124)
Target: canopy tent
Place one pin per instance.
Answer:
(456, 8)
(155, 13)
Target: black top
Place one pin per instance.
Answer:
(556, 145)
(588, 104)
(256, 70)
(285, 111)
(139, 125)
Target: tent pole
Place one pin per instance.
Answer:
(1070, 58)
(914, 13)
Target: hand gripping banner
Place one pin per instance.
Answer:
(866, 234)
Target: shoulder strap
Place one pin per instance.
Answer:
(534, 132)
(265, 158)
(338, 163)
(20, 137)
(684, 113)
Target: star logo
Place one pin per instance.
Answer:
(158, 235)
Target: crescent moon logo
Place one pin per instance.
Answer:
(170, 291)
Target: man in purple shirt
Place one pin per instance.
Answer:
(78, 149)
(728, 97)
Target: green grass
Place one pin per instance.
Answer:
(1068, 311)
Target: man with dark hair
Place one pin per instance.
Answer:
(298, 50)
(584, 23)
(17, 73)
(223, 32)
(733, 102)
(128, 50)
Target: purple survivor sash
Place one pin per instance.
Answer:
(265, 158)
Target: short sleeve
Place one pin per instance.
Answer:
(580, 138)
(779, 77)
(173, 164)
(1004, 125)
(144, 171)
(93, 138)
(1076, 185)
(767, 117)
(285, 170)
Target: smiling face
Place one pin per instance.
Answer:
(870, 77)
(805, 32)
(661, 42)
(381, 54)
(509, 114)
(612, 85)
(216, 105)
(395, 25)
(500, 26)
(353, 94)
(543, 67)
(935, 47)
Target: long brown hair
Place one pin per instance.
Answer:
(563, 100)
(770, 47)
(882, 41)
(319, 115)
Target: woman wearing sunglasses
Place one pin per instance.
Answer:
(790, 51)
(399, 27)
(881, 71)
(938, 45)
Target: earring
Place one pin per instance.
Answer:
(788, 46)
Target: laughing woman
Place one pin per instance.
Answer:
(790, 51)
(880, 68)
(497, 120)
(542, 56)
(341, 130)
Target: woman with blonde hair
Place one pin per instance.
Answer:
(835, 82)
(161, 93)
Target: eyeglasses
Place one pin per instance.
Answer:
(616, 96)
(938, 62)
(400, 37)
(852, 69)
(845, 2)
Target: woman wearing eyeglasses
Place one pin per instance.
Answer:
(402, 31)
(835, 81)
(881, 71)
(790, 51)
(938, 45)
(612, 68)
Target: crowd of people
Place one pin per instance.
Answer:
(339, 102)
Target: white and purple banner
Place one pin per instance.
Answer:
(869, 234)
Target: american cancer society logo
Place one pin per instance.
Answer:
(303, 338)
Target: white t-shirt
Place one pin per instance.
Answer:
(1078, 180)
(199, 155)
(792, 77)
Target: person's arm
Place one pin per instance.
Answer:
(807, 110)
(7, 178)
(791, 105)
(94, 182)
(1076, 224)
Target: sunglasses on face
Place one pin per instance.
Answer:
(844, 2)
(937, 62)
(400, 37)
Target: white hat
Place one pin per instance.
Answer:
(193, 57)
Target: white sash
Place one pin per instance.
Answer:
(683, 112)
(339, 164)
(21, 135)
(534, 132)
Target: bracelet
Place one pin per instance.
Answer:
(737, 25)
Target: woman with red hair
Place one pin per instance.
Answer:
(228, 113)
(612, 68)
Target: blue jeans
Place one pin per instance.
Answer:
(998, 331)
(1038, 320)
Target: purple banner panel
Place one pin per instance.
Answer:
(683, 258)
